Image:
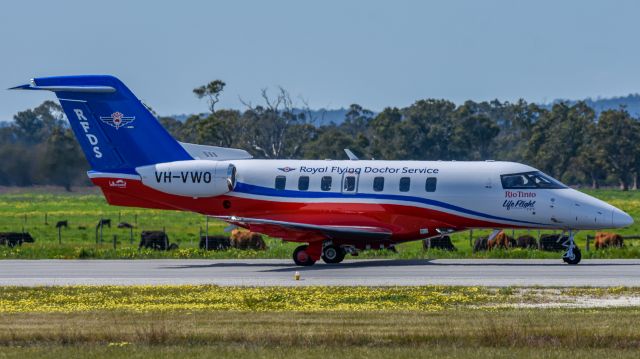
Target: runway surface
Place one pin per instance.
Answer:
(267, 272)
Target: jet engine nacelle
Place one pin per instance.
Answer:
(192, 178)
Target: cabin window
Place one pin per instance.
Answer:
(430, 184)
(378, 184)
(303, 183)
(349, 184)
(325, 183)
(281, 182)
(405, 184)
(534, 179)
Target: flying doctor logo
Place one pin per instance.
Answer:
(117, 119)
(286, 169)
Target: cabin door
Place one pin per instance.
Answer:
(350, 182)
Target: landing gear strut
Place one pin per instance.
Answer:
(573, 254)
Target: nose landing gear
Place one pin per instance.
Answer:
(573, 254)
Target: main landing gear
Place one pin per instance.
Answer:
(302, 257)
(307, 255)
(573, 254)
(333, 254)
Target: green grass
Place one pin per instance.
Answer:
(98, 321)
(509, 333)
(26, 209)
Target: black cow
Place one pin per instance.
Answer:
(125, 225)
(156, 240)
(13, 239)
(553, 242)
(215, 243)
(443, 242)
(104, 222)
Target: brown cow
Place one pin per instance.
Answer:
(501, 240)
(243, 239)
(606, 239)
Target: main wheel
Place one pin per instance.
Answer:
(333, 254)
(301, 257)
(575, 259)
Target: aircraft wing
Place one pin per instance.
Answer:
(307, 232)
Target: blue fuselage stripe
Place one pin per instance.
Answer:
(272, 192)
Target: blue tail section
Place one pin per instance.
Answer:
(115, 129)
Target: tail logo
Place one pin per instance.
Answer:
(117, 119)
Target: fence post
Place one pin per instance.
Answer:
(45, 218)
(471, 238)
(206, 238)
(166, 240)
(131, 235)
(114, 241)
(59, 235)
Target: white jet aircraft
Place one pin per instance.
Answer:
(335, 207)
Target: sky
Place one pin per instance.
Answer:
(328, 53)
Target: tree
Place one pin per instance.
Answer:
(618, 135)
(275, 130)
(356, 120)
(590, 160)
(330, 143)
(559, 136)
(212, 91)
(383, 131)
(222, 128)
(63, 161)
(473, 132)
(36, 125)
(425, 131)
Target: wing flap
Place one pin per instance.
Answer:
(309, 232)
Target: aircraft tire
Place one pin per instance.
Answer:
(576, 259)
(301, 258)
(333, 254)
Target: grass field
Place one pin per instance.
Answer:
(463, 322)
(27, 209)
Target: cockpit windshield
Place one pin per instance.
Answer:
(534, 179)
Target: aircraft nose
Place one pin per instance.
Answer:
(620, 219)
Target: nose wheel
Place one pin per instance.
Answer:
(573, 254)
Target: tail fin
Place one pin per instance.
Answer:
(116, 131)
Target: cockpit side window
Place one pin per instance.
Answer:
(529, 180)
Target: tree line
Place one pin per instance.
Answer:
(568, 141)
